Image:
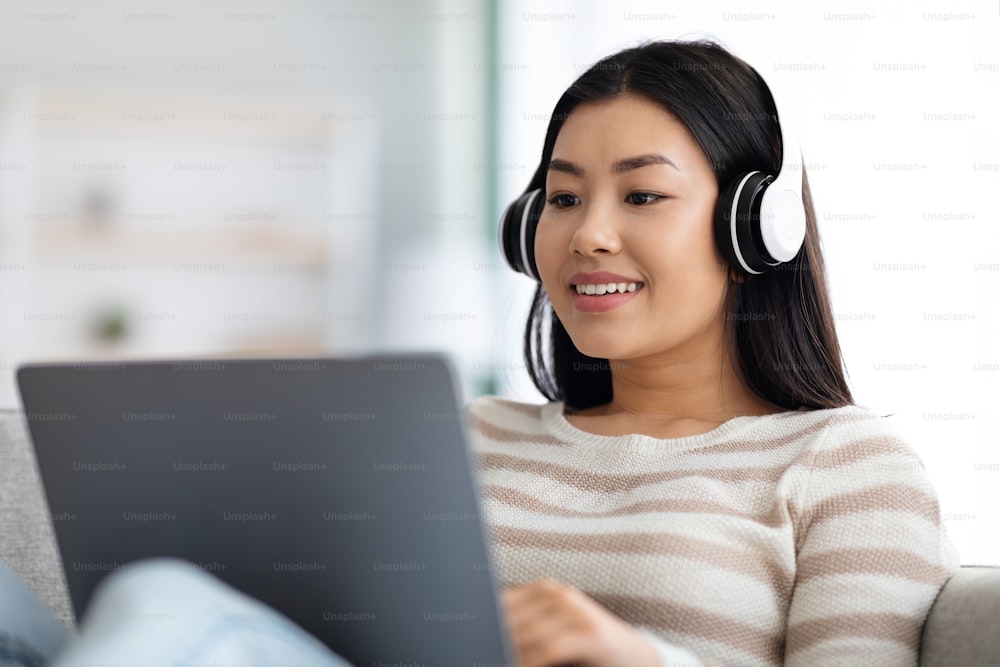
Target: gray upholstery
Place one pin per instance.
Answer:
(963, 627)
(27, 541)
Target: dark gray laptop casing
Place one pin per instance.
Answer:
(338, 491)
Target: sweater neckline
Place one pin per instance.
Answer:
(554, 419)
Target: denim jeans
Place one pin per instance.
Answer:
(30, 636)
(156, 613)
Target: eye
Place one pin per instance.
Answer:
(642, 198)
(564, 201)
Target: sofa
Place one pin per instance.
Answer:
(963, 627)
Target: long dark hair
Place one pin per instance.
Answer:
(779, 323)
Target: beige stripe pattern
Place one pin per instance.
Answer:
(801, 538)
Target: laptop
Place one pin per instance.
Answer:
(340, 492)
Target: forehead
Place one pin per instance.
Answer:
(600, 133)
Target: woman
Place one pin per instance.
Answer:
(700, 487)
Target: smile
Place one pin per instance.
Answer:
(600, 297)
(601, 289)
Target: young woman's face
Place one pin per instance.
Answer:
(630, 193)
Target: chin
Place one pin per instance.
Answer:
(602, 347)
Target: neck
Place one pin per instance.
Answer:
(703, 388)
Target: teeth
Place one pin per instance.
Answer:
(606, 288)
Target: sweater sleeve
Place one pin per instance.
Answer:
(871, 551)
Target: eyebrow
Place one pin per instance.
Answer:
(619, 167)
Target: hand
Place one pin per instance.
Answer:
(552, 624)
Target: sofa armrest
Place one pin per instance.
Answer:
(963, 627)
(27, 538)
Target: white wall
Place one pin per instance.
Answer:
(900, 122)
(332, 145)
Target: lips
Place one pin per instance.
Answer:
(604, 301)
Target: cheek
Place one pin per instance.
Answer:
(687, 243)
(703, 252)
(692, 271)
(709, 270)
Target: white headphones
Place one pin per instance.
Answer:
(760, 219)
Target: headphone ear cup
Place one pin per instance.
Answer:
(517, 232)
(782, 222)
(737, 223)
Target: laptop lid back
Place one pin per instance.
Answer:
(338, 491)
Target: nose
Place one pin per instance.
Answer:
(597, 232)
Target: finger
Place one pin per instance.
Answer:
(532, 617)
(541, 630)
(549, 617)
(551, 596)
(559, 647)
(525, 614)
(537, 596)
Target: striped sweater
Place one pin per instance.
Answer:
(804, 538)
